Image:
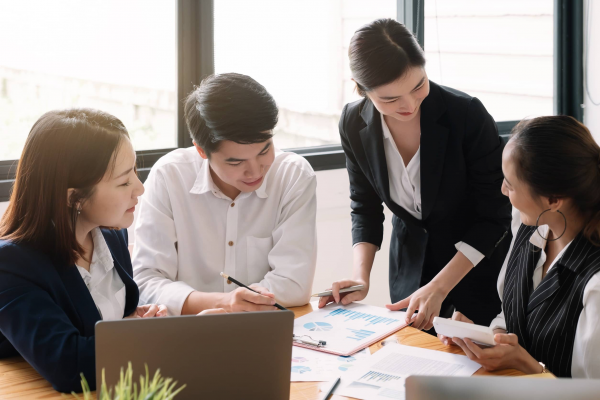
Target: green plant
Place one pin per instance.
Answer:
(157, 388)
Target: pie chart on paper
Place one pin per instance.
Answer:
(318, 326)
(300, 369)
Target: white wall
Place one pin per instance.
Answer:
(592, 67)
(334, 237)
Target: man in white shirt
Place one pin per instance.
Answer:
(233, 204)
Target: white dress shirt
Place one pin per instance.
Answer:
(586, 349)
(405, 186)
(188, 231)
(103, 280)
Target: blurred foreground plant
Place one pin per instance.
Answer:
(157, 388)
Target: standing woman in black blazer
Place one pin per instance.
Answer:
(432, 154)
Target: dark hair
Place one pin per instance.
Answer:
(558, 157)
(65, 149)
(381, 52)
(230, 107)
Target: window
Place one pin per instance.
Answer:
(117, 56)
(498, 51)
(297, 49)
(138, 59)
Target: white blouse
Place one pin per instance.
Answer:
(405, 186)
(103, 280)
(586, 349)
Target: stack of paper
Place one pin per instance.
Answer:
(348, 329)
(381, 376)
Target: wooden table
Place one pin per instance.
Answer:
(18, 380)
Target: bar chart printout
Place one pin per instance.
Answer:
(359, 334)
(378, 377)
(369, 319)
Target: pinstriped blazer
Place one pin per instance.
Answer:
(545, 318)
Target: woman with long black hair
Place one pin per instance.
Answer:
(432, 154)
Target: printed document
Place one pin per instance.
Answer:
(381, 376)
(315, 366)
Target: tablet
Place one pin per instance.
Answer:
(483, 335)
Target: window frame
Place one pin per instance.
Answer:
(195, 60)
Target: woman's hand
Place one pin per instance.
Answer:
(212, 311)
(457, 316)
(345, 298)
(428, 300)
(149, 311)
(507, 353)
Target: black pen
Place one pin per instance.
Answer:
(240, 284)
(329, 390)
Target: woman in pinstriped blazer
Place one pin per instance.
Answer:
(550, 282)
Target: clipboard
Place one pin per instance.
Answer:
(346, 330)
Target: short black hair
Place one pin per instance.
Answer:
(381, 52)
(230, 107)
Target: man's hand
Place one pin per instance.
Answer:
(242, 299)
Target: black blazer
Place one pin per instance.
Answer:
(47, 314)
(461, 178)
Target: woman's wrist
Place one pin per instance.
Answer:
(528, 364)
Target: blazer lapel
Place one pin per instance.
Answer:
(131, 289)
(372, 140)
(546, 288)
(434, 136)
(81, 298)
(563, 271)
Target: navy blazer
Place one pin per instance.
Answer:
(47, 314)
(461, 179)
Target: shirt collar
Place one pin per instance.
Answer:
(101, 255)
(386, 131)
(261, 192)
(536, 239)
(204, 183)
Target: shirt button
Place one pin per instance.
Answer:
(232, 204)
(230, 243)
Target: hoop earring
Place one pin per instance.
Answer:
(537, 223)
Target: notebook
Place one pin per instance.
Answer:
(347, 329)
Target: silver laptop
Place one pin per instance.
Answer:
(500, 388)
(221, 356)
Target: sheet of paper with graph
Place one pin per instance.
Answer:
(348, 329)
(382, 376)
(315, 366)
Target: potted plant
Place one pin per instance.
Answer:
(157, 388)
